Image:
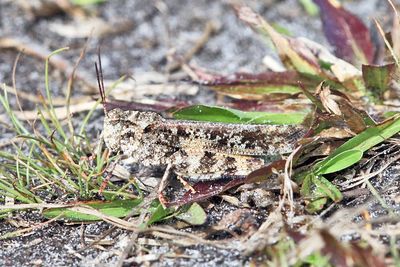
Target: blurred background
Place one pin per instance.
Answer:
(139, 37)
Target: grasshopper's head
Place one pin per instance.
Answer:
(125, 131)
(124, 127)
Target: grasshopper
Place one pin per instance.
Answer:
(194, 151)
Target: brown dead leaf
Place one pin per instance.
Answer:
(338, 110)
(291, 52)
(302, 54)
(329, 101)
(342, 70)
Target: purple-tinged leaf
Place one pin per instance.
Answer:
(264, 173)
(346, 32)
(204, 190)
(256, 86)
(267, 78)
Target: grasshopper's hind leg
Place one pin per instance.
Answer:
(186, 184)
(163, 184)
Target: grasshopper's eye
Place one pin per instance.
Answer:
(148, 128)
(130, 134)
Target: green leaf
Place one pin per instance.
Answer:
(341, 161)
(378, 78)
(306, 187)
(227, 115)
(317, 190)
(361, 142)
(316, 205)
(158, 212)
(316, 187)
(325, 64)
(116, 208)
(316, 259)
(326, 188)
(389, 114)
(193, 215)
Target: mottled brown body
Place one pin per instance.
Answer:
(196, 150)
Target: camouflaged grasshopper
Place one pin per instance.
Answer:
(194, 151)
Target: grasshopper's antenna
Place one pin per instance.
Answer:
(100, 78)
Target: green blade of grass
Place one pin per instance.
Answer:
(115, 208)
(53, 161)
(17, 192)
(192, 214)
(18, 126)
(49, 106)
